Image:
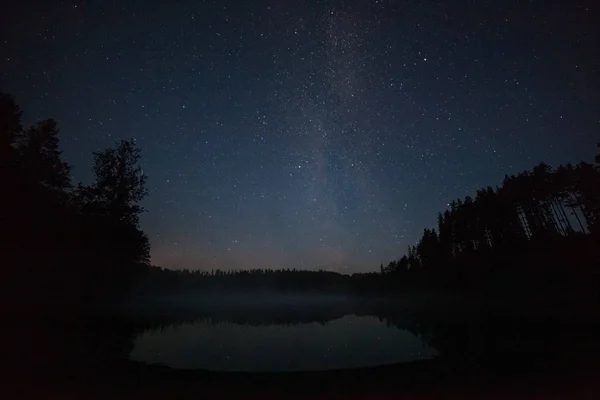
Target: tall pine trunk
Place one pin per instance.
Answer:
(572, 205)
(560, 203)
(556, 217)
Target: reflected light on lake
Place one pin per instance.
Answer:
(348, 342)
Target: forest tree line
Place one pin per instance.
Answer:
(166, 280)
(539, 222)
(67, 243)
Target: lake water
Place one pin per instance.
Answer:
(347, 342)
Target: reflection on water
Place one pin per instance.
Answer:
(347, 342)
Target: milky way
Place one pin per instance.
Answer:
(307, 134)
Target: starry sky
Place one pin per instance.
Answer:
(307, 134)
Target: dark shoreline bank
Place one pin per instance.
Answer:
(568, 372)
(558, 378)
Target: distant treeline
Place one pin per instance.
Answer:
(157, 280)
(166, 280)
(162, 280)
(73, 245)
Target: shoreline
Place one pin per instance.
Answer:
(421, 379)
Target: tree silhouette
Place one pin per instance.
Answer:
(110, 210)
(63, 247)
(119, 183)
(526, 213)
(39, 157)
(10, 128)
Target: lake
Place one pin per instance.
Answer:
(348, 342)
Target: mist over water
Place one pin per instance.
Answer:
(348, 342)
(220, 299)
(264, 298)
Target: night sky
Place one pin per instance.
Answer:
(307, 134)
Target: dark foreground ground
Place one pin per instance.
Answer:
(559, 359)
(564, 379)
